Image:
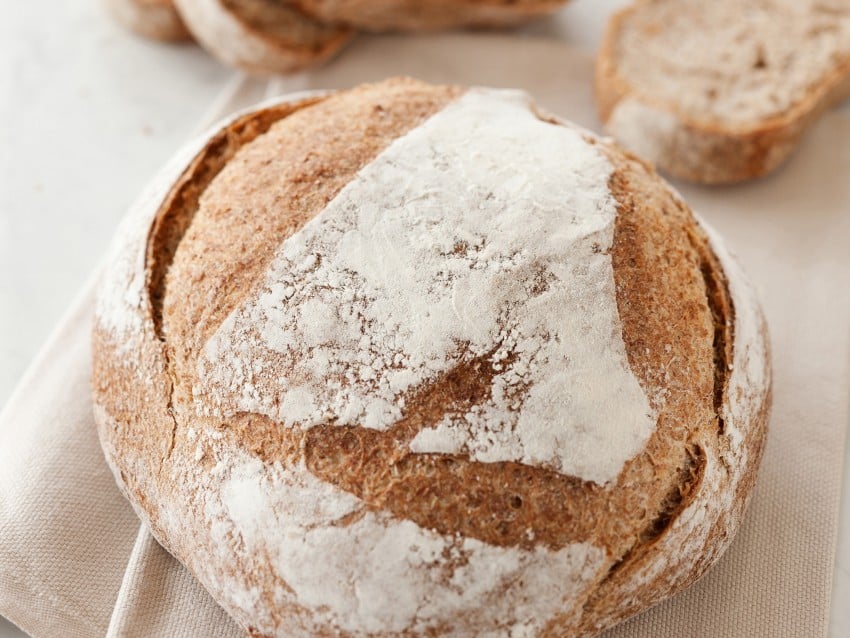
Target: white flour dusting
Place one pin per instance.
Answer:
(346, 575)
(482, 233)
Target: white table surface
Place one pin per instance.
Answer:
(88, 113)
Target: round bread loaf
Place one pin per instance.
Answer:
(414, 360)
(417, 15)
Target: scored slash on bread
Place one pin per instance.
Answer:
(261, 36)
(155, 19)
(416, 15)
(344, 387)
(721, 92)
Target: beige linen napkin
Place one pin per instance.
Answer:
(73, 561)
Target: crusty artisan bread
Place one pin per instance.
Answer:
(720, 92)
(155, 19)
(261, 36)
(415, 15)
(414, 360)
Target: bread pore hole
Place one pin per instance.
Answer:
(761, 59)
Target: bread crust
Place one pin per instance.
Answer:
(154, 19)
(703, 149)
(702, 458)
(236, 37)
(418, 15)
(721, 474)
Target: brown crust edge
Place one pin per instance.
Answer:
(118, 438)
(387, 15)
(156, 21)
(618, 597)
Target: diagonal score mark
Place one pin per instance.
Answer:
(502, 503)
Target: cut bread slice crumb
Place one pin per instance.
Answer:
(714, 92)
(261, 36)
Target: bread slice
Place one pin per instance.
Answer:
(261, 36)
(415, 15)
(155, 19)
(720, 92)
(312, 258)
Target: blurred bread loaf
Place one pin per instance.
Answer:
(284, 36)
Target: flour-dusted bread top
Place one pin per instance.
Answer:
(719, 91)
(156, 19)
(415, 15)
(418, 360)
(261, 36)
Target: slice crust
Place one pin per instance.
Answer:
(715, 94)
(261, 36)
(154, 19)
(417, 15)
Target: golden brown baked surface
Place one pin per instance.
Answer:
(216, 467)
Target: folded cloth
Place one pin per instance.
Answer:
(160, 598)
(65, 530)
(74, 561)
